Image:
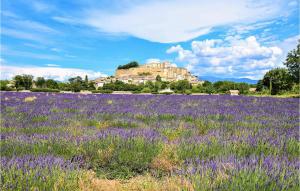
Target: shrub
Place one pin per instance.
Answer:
(122, 159)
(129, 65)
(167, 93)
(136, 92)
(188, 92)
(146, 90)
(102, 91)
(106, 91)
(44, 90)
(96, 91)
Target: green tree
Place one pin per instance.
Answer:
(158, 78)
(150, 85)
(260, 85)
(206, 83)
(132, 64)
(52, 84)
(224, 86)
(23, 81)
(292, 62)
(91, 85)
(63, 86)
(242, 87)
(40, 82)
(3, 85)
(76, 84)
(181, 85)
(278, 79)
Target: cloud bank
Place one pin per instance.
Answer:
(56, 73)
(178, 20)
(231, 57)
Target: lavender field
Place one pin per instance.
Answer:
(148, 142)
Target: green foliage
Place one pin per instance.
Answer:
(146, 90)
(260, 85)
(224, 86)
(76, 84)
(277, 79)
(132, 64)
(51, 84)
(44, 90)
(121, 86)
(40, 82)
(296, 88)
(144, 74)
(188, 92)
(102, 91)
(158, 78)
(181, 86)
(167, 93)
(3, 85)
(292, 62)
(207, 83)
(242, 87)
(23, 81)
(206, 87)
(39, 179)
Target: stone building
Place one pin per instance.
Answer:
(149, 72)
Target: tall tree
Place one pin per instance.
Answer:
(24, 81)
(277, 79)
(292, 62)
(158, 78)
(40, 82)
(76, 84)
(52, 84)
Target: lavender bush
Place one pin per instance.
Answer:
(213, 142)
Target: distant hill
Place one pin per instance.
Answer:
(215, 79)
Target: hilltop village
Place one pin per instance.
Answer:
(133, 73)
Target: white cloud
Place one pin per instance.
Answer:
(56, 73)
(32, 25)
(55, 49)
(289, 44)
(232, 57)
(52, 65)
(178, 20)
(66, 20)
(8, 14)
(23, 35)
(41, 6)
(11, 52)
(153, 60)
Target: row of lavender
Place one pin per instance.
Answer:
(214, 142)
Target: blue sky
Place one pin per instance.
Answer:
(223, 38)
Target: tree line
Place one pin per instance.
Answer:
(26, 82)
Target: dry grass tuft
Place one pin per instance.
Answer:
(30, 99)
(89, 182)
(166, 161)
